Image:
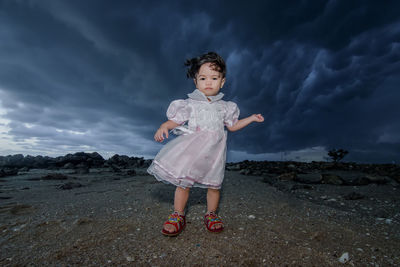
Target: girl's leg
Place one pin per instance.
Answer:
(180, 200)
(213, 196)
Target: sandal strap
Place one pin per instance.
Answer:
(211, 218)
(211, 215)
(175, 217)
(176, 220)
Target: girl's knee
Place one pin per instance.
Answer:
(213, 190)
(182, 189)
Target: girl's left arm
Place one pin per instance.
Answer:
(246, 121)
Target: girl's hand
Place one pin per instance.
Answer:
(159, 136)
(257, 117)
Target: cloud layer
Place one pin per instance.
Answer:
(96, 76)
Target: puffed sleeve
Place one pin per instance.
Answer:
(178, 111)
(231, 114)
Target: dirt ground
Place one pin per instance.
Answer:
(115, 220)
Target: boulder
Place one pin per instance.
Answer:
(69, 186)
(88, 159)
(147, 163)
(310, 178)
(122, 161)
(69, 165)
(83, 170)
(291, 166)
(290, 176)
(377, 179)
(54, 176)
(245, 171)
(333, 179)
(82, 165)
(328, 166)
(8, 172)
(115, 168)
(353, 196)
(301, 186)
(270, 180)
(369, 179)
(24, 169)
(396, 177)
(359, 181)
(131, 172)
(257, 173)
(235, 167)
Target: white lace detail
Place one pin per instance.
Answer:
(206, 116)
(202, 114)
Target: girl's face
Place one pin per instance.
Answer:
(208, 80)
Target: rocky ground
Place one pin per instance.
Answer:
(275, 214)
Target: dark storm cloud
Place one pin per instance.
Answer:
(330, 98)
(91, 75)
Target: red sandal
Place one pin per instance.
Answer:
(178, 221)
(210, 219)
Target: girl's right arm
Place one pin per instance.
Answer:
(163, 130)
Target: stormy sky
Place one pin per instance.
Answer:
(98, 75)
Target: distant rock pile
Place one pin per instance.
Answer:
(319, 172)
(80, 161)
(273, 172)
(8, 172)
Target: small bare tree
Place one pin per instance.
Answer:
(337, 154)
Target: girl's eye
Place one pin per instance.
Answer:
(215, 79)
(202, 79)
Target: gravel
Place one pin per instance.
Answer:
(116, 219)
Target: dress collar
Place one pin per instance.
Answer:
(200, 96)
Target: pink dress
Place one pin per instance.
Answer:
(197, 157)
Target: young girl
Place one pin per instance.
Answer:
(197, 157)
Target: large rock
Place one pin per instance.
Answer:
(359, 181)
(124, 162)
(289, 176)
(24, 169)
(8, 172)
(80, 158)
(369, 179)
(396, 177)
(245, 171)
(69, 186)
(13, 160)
(353, 196)
(82, 165)
(69, 165)
(55, 176)
(131, 172)
(233, 167)
(377, 179)
(309, 178)
(333, 179)
(82, 170)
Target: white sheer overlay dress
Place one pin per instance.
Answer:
(197, 156)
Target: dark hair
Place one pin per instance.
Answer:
(194, 64)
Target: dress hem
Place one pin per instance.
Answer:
(177, 181)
